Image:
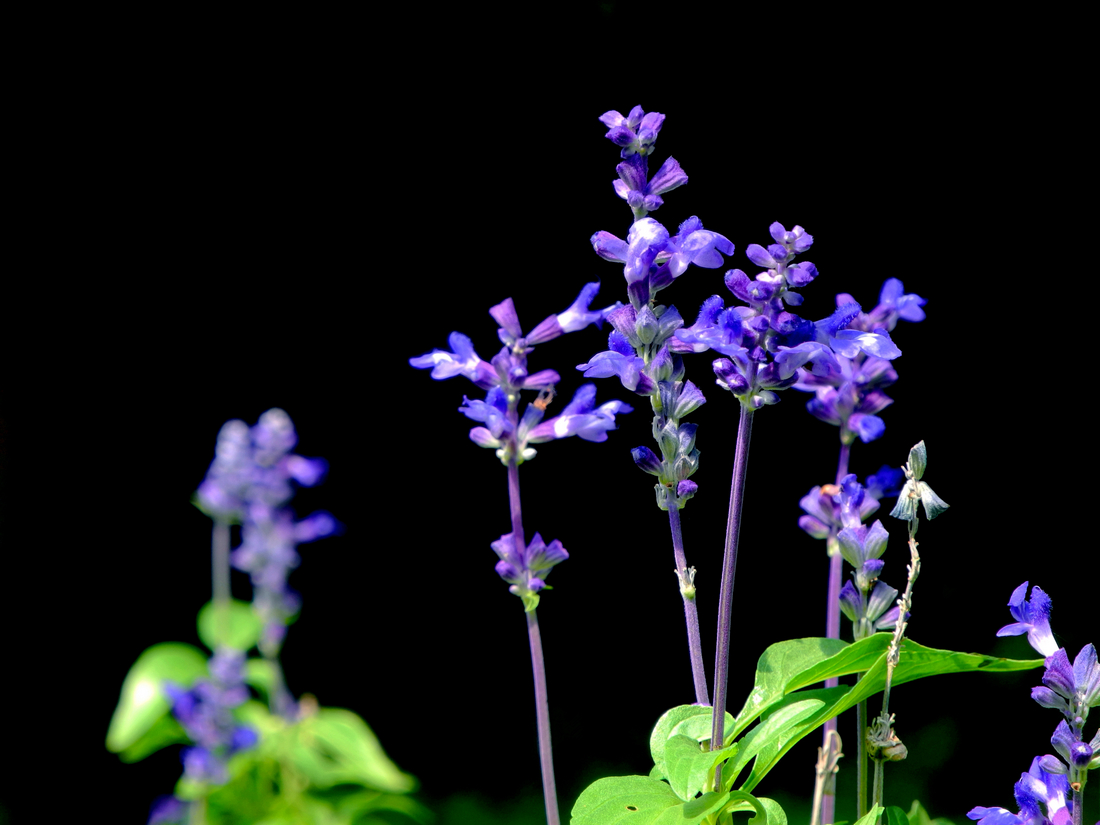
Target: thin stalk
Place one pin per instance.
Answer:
(861, 758)
(876, 794)
(219, 563)
(196, 811)
(1079, 805)
(729, 569)
(832, 631)
(827, 757)
(686, 577)
(542, 706)
(542, 713)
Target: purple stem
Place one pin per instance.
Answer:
(542, 706)
(220, 569)
(691, 610)
(542, 712)
(832, 631)
(729, 569)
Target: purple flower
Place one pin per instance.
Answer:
(526, 568)
(462, 361)
(580, 417)
(251, 481)
(637, 132)
(168, 810)
(1036, 787)
(645, 196)
(653, 258)
(205, 712)
(860, 543)
(1079, 685)
(870, 610)
(1032, 617)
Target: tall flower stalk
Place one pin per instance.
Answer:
(764, 346)
(642, 350)
(525, 566)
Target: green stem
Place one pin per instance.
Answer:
(861, 758)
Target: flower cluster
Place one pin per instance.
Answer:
(249, 483)
(765, 345)
(506, 375)
(848, 388)
(206, 714)
(643, 352)
(836, 513)
(526, 568)
(1053, 781)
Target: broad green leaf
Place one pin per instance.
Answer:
(918, 816)
(766, 741)
(916, 662)
(164, 732)
(337, 746)
(242, 630)
(776, 814)
(143, 700)
(689, 766)
(855, 658)
(777, 667)
(686, 720)
(895, 816)
(639, 800)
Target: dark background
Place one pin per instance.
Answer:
(265, 214)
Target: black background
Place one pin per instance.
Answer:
(259, 215)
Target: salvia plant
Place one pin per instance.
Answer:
(280, 760)
(712, 758)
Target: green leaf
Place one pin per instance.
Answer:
(767, 741)
(855, 658)
(744, 801)
(639, 800)
(337, 746)
(916, 662)
(778, 666)
(243, 628)
(871, 817)
(260, 673)
(689, 766)
(164, 732)
(143, 701)
(918, 816)
(776, 814)
(693, 721)
(895, 816)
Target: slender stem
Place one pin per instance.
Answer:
(861, 759)
(825, 784)
(1079, 805)
(876, 794)
(542, 713)
(832, 631)
(196, 811)
(686, 577)
(219, 563)
(842, 464)
(729, 569)
(542, 707)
